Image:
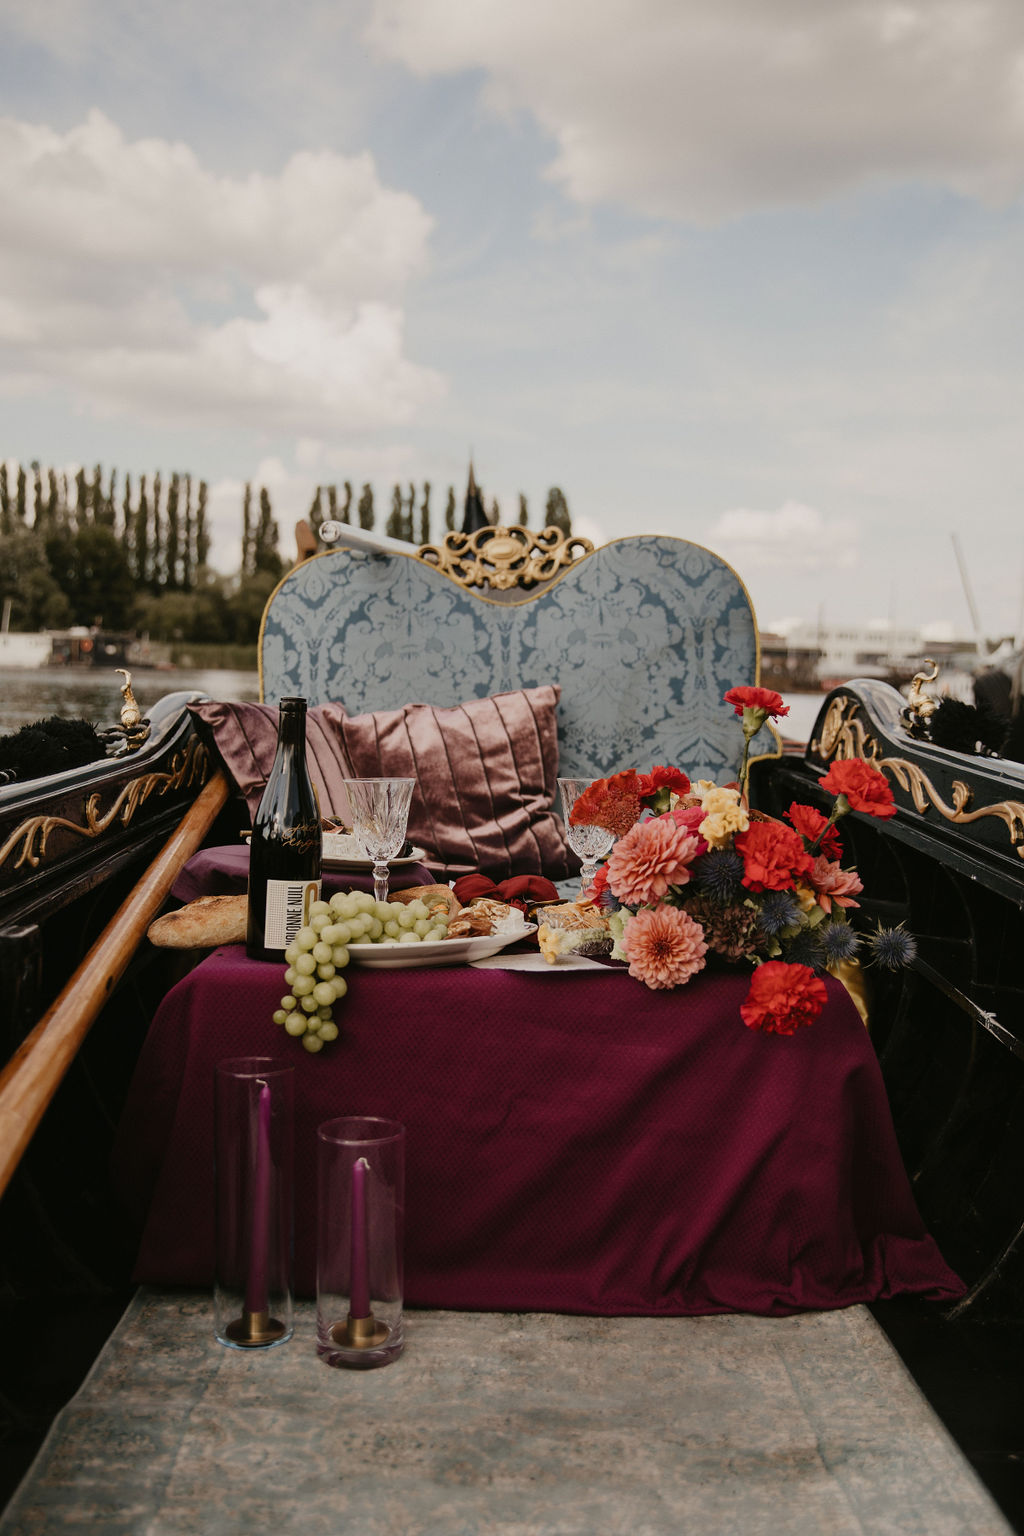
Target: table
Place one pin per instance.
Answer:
(576, 1142)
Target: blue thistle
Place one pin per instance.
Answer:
(719, 873)
(892, 947)
(838, 942)
(776, 911)
(805, 949)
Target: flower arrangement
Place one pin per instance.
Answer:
(695, 872)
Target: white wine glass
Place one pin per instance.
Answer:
(380, 812)
(590, 844)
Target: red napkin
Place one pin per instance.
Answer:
(519, 891)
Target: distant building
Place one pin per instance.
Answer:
(809, 656)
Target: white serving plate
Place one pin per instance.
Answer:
(397, 957)
(365, 866)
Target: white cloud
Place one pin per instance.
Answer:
(148, 284)
(794, 538)
(680, 108)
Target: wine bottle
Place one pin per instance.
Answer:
(285, 851)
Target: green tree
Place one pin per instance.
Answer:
(557, 511)
(248, 533)
(26, 578)
(55, 513)
(19, 505)
(202, 530)
(449, 511)
(365, 508)
(266, 555)
(188, 541)
(345, 514)
(82, 503)
(94, 575)
(142, 566)
(316, 509)
(128, 526)
(424, 537)
(523, 511)
(38, 514)
(172, 548)
(6, 523)
(156, 537)
(393, 526)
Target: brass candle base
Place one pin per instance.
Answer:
(360, 1333)
(255, 1328)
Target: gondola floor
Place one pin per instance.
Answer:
(511, 1424)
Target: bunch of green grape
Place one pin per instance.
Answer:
(320, 951)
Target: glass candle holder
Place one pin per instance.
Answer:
(254, 1117)
(360, 1236)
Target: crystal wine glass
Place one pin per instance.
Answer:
(590, 844)
(380, 811)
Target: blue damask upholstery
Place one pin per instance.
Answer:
(643, 636)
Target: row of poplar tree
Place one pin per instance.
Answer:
(133, 556)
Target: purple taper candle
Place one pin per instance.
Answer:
(256, 1297)
(359, 1284)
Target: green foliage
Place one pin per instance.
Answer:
(89, 553)
(26, 578)
(91, 569)
(557, 511)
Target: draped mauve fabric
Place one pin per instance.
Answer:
(575, 1143)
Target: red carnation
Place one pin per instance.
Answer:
(757, 698)
(782, 998)
(672, 779)
(774, 856)
(866, 787)
(610, 803)
(811, 824)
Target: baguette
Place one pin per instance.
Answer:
(202, 924)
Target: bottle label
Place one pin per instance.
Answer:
(287, 910)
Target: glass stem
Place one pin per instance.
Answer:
(380, 880)
(587, 874)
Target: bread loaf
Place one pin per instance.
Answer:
(202, 924)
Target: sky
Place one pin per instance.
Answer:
(746, 272)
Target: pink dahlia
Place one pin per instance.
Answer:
(652, 856)
(664, 945)
(831, 883)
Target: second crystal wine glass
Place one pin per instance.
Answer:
(590, 844)
(380, 811)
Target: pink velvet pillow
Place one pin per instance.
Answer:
(486, 776)
(244, 737)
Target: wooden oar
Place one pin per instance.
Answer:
(34, 1072)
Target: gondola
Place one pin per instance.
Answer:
(87, 859)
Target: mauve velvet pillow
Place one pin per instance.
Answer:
(244, 736)
(485, 776)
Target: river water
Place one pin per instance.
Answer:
(87, 693)
(94, 693)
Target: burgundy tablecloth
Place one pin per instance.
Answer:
(575, 1142)
(224, 871)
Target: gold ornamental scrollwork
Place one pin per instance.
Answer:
(27, 844)
(844, 735)
(505, 557)
(922, 791)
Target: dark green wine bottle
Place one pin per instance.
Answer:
(286, 849)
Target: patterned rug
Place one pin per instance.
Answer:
(511, 1424)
